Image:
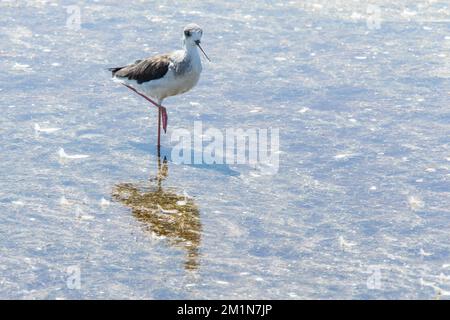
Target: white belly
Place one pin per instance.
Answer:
(169, 85)
(175, 85)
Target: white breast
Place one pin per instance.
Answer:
(182, 76)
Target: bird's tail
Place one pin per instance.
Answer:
(114, 70)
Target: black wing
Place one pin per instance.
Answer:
(144, 70)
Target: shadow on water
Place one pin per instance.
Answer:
(221, 168)
(164, 212)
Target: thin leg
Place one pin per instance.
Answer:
(161, 108)
(159, 129)
(164, 118)
(142, 95)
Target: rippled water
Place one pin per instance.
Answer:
(358, 209)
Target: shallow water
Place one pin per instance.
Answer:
(358, 209)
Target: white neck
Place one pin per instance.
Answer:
(192, 57)
(190, 47)
(192, 52)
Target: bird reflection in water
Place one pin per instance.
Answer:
(165, 213)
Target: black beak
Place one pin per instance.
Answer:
(197, 42)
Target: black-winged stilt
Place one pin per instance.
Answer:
(165, 75)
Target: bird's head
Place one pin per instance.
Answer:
(192, 35)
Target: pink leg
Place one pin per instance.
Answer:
(159, 128)
(161, 108)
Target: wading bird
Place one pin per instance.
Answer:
(165, 75)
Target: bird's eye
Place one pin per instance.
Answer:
(187, 33)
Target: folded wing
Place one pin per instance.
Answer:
(144, 70)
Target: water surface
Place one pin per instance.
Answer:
(358, 209)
